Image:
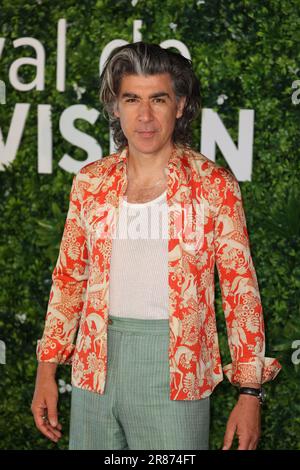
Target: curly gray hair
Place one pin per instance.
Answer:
(141, 58)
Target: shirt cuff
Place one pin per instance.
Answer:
(255, 370)
(48, 350)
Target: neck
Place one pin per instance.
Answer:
(146, 167)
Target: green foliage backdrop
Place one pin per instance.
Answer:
(244, 49)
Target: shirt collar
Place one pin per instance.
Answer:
(178, 168)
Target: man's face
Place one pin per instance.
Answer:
(147, 108)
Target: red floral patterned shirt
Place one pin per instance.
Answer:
(213, 234)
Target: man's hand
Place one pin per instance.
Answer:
(44, 403)
(244, 420)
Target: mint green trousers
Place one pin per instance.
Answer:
(135, 411)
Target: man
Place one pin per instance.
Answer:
(146, 357)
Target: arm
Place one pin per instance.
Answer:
(243, 311)
(240, 293)
(67, 294)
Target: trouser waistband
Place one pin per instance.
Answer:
(138, 325)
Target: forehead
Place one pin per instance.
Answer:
(146, 83)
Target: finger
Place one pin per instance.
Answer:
(38, 414)
(46, 430)
(244, 444)
(55, 431)
(52, 412)
(44, 426)
(56, 428)
(228, 438)
(52, 430)
(253, 445)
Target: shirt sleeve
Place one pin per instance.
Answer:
(68, 289)
(239, 287)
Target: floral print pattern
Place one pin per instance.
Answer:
(76, 321)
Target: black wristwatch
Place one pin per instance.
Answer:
(256, 392)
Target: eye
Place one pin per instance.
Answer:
(160, 100)
(130, 100)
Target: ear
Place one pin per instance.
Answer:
(180, 106)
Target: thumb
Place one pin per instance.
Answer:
(228, 438)
(52, 412)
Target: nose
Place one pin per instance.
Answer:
(145, 112)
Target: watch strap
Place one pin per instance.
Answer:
(250, 391)
(256, 392)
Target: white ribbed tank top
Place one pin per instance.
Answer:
(138, 286)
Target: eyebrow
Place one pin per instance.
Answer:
(159, 94)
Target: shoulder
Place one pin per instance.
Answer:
(91, 176)
(218, 184)
(98, 167)
(206, 168)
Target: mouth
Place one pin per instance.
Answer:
(146, 134)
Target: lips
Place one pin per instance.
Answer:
(146, 133)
